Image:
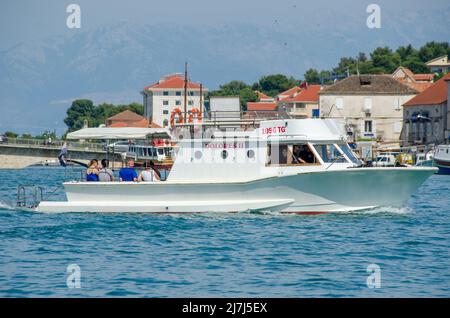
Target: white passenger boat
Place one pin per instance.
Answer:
(442, 159)
(284, 165)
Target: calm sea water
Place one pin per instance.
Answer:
(224, 255)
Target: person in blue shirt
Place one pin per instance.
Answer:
(128, 173)
(92, 171)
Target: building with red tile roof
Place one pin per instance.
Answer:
(261, 106)
(167, 94)
(289, 92)
(419, 82)
(427, 115)
(128, 118)
(302, 103)
(263, 97)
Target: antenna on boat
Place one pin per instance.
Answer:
(185, 89)
(201, 98)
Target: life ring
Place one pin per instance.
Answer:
(197, 113)
(172, 117)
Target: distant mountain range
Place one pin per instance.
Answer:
(38, 80)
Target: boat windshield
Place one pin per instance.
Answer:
(330, 153)
(350, 154)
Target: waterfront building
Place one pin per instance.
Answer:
(264, 98)
(370, 105)
(261, 110)
(439, 64)
(162, 97)
(302, 102)
(426, 117)
(128, 118)
(419, 82)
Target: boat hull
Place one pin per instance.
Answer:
(444, 166)
(325, 191)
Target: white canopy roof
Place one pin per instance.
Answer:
(118, 133)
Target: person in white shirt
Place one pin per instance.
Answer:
(149, 174)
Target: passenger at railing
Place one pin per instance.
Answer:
(150, 173)
(92, 170)
(105, 174)
(128, 173)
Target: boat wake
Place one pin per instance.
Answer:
(6, 206)
(387, 210)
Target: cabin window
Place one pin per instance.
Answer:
(292, 155)
(198, 155)
(154, 152)
(224, 154)
(145, 152)
(251, 154)
(329, 153)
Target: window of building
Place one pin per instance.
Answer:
(367, 104)
(178, 102)
(165, 112)
(178, 93)
(339, 103)
(191, 93)
(397, 105)
(165, 93)
(368, 126)
(165, 123)
(165, 102)
(191, 102)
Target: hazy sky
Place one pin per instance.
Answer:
(25, 20)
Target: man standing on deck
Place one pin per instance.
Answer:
(128, 173)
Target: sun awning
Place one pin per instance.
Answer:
(119, 133)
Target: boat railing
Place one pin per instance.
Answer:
(29, 196)
(54, 144)
(244, 119)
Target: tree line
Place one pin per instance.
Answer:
(382, 60)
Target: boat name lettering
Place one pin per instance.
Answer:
(224, 145)
(273, 130)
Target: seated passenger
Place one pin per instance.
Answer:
(92, 170)
(149, 174)
(105, 174)
(296, 152)
(128, 173)
(303, 154)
